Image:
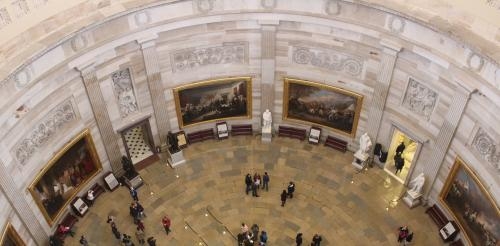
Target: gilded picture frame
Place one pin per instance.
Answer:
(10, 237)
(64, 175)
(319, 104)
(475, 211)
(213, 100)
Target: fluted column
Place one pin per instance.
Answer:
(445, 135)
(108, 135)
(389, 55)
(155, 86)
(21, 207)
(268, 64)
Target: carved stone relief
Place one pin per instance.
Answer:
(142, 18)
(204, 6)
(486, 147)
(78, 42)
(475, 62)
(124, 91)
(39, 3)
(419, 98)
(493, 3)
(268, 4)
(332, 7)
(328, 59)
(23, 77)
(4, 18)
(20, 8)
(227, 53)
(57, 118)
(396, 24)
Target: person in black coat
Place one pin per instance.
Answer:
(291, 189)
(401, 147)
(248, 182)
(298, 239)
(283, 198)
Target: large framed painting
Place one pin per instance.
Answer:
(213, 100)
(63, 177)
(316, 103)
(471, 205)
(10, 237)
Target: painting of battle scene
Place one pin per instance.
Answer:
(321, 104)
(466, 198)
(65, 174)
(213, 100)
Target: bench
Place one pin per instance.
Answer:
(201, 135)
(437, 216)
(245, 129)
(292, 132)
(68, 221)
(336, 143)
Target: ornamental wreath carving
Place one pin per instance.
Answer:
(486, 147)
(62, 115)
(328, 59)
(124, 91)
(420, 99)
(227, 53)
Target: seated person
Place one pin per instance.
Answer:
(90, 197)
(63, 230)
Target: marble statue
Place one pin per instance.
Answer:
(365, 143)
(417, 184)
(267, 119)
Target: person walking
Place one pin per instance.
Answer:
(133, 193)
(291, 189)
(298, 239)
(140, 236)
(115, 231)
(255, 187)
(403, 233)
(265, 180)
(166, 223)
(263, 238)
(151, 241)
(316, 240)
(140, 225)
(248, 182)
(283, 198)
(83, 241)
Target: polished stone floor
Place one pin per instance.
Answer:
(206, 199)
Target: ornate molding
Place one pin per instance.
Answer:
(475, 62)
(485, 146)
(142, 18)
(268, 4)
(20, 7)
(57, 118)
(420, 99)
(4, 18)
(332, 7)
(227, 53)
(328, 59)
(24, 77)
(79, 42)
(396, 24)
(124, 91)
(204, 6)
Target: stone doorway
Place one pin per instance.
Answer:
(410, 146)
(138, 142)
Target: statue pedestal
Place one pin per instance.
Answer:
(266, 134)
(412, 198)
(135, 182)
(176, 158)
(360, 160)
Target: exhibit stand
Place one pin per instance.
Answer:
(176, 158)
(360, 160)
(267, 134)
(135, 182)
(412, 198)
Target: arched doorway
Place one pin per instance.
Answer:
(402, 152)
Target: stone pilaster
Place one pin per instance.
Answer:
(108, 135)
(381, 88)
(444, 137)
(21, 207)
(268, 64)
(155, 86)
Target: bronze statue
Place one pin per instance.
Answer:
(173, 142)
(129, 168)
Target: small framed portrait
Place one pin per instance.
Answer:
(64, 176)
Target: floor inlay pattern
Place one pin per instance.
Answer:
(137, 146)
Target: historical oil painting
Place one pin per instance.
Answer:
(10, 237)
(65, 174)
(213, 100)
(321, 104)
(469, 202)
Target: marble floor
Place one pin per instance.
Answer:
(137, 146)
(206, 200)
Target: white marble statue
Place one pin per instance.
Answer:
(365, 143)
(417, 184)
(267, 119)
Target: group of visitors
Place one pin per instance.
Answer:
(315, 241)
(248, 237)
(404, 235)
(256, 183)
(288, 193)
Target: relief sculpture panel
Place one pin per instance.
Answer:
(486, 147)
(420, 99)
(124, 91)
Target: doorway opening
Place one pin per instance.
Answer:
(139, 144)
(400, 157)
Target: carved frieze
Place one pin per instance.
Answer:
(268, 4)
(204, 6)
(419, 98)
(57, 118)
(142, 18)
(487, 148)
(227, 53)
(332, 7)
(4, 18)
(124, 91)
(475, 62)
(20, 8)
(328, 59)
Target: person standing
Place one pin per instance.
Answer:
(83, 241)
(140, 236)
(248, 182)
(151, 241)
(115, 231)
(399, 162)
(255, 187)
(283, 198)
(265, 181)
(166, 223)
(403, 233)
(133, 193)
(140, 225)
(263, 238)
(291, 189)
(298, 239)
(316, 240)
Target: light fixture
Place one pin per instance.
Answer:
(352, 181)
(223, 232)
(206, 214)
